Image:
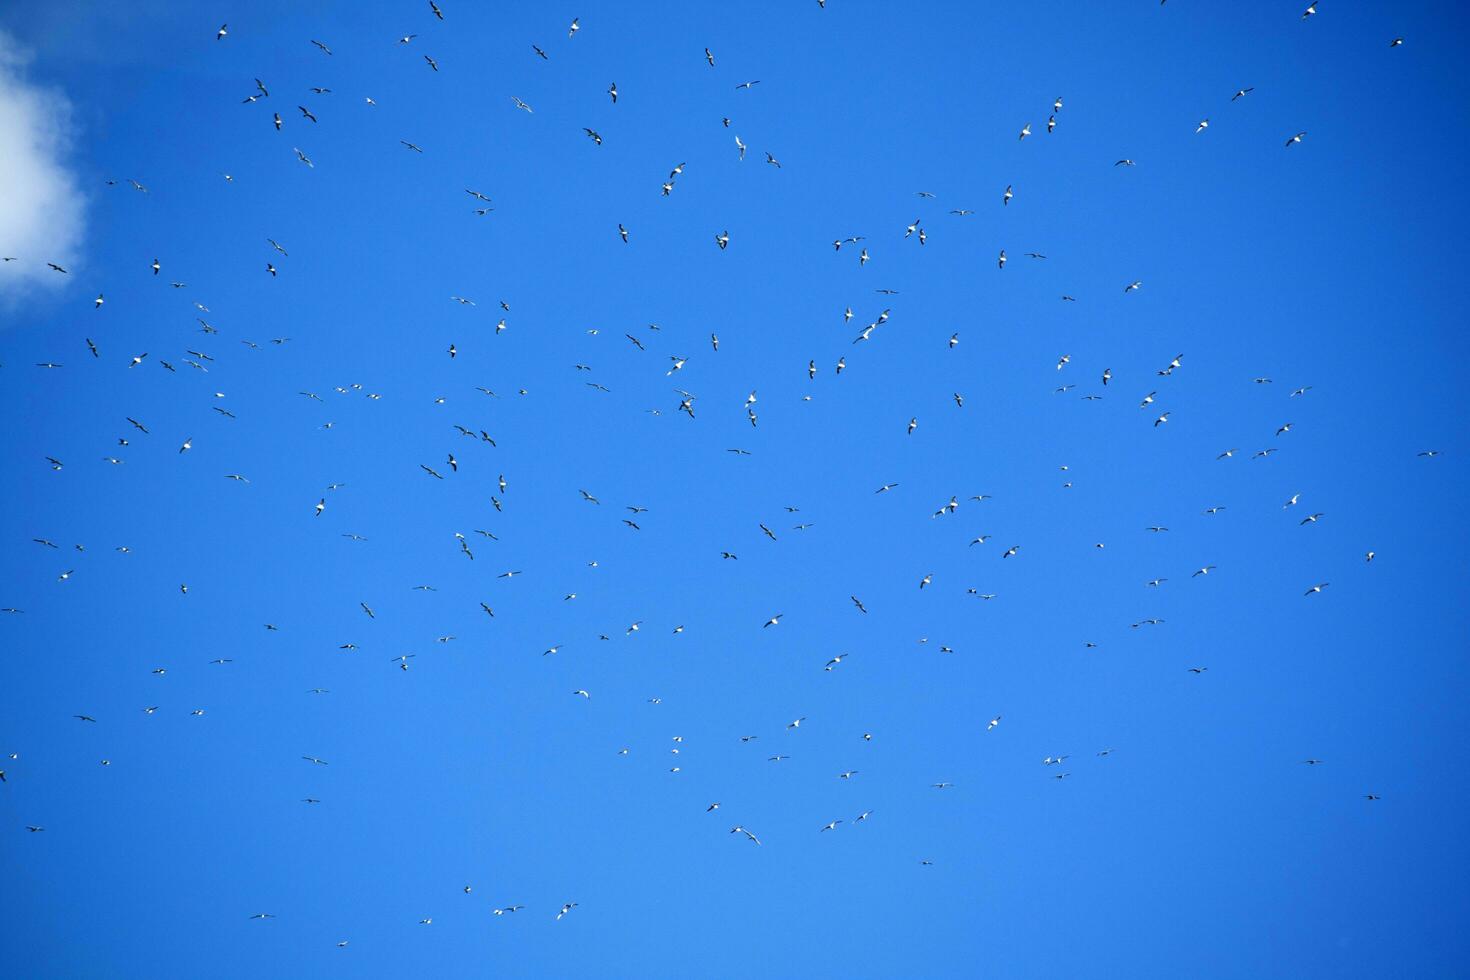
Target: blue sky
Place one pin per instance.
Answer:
(1200, 844)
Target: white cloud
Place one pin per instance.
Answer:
(41, 210)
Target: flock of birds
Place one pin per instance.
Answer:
(194, 357)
